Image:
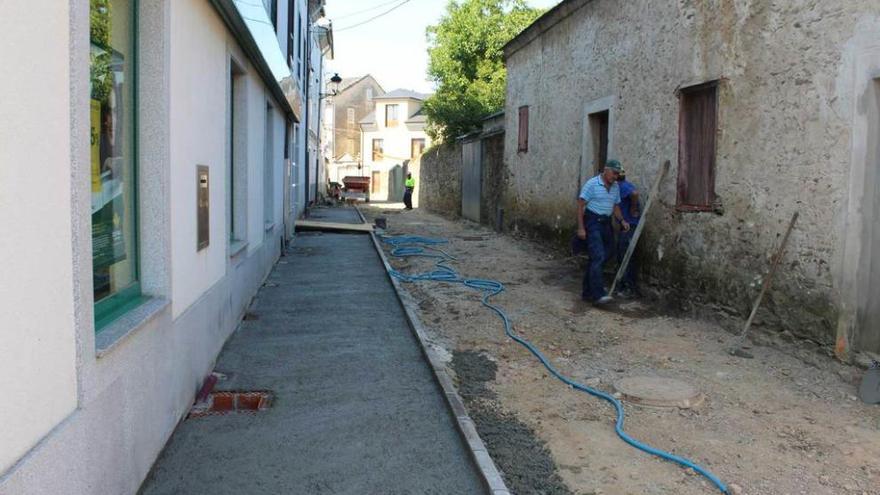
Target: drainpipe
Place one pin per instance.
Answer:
(307, 60)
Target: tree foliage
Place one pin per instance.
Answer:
(466, 62)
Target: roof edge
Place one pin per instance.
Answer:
(542, 24)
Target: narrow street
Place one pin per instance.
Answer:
(355, 410)
(785, 422)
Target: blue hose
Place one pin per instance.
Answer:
(406, 246)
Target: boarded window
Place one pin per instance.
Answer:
(377, 149)
(697, 131)
(350, 116)
(418, 146)
(599, 130)
(391, 115)
(523, 143)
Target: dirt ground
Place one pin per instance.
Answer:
(785, 422)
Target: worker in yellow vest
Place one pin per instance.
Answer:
(407, 196)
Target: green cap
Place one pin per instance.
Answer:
(614, 165)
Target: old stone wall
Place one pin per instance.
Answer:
(440, 186)
(494, 177)
(786, 107)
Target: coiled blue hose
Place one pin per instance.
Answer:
(405, 246)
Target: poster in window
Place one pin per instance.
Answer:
(107, 167)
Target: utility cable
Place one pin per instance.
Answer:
(372, 18)
(405, 246)
(374, 7)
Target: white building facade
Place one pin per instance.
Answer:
(392, 136)
(150, 167)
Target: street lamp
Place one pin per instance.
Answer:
(334, 86)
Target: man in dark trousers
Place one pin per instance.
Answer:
(598, 201)
(629, 206)
(410, 185)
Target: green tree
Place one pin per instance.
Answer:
(466, 62)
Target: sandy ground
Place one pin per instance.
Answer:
(785, 422)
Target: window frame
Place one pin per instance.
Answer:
(684, 166)
(412, 143)
(237, 161)
(396, 121)
(269, 168)
(110, 308)
(522, 145)
(381, 150)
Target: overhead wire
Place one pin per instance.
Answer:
(346, 28)
(374, 7)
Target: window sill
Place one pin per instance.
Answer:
(236, 247)
(114, 333)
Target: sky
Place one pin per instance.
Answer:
(393, 47)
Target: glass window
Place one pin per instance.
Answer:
(369, 94)
(391, 115)
(418, 147)
(378, 149)
(113, 167)
(350, 116)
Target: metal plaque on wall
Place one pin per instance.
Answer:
(202, 206)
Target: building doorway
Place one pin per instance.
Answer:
(376, 185)
(599, 134)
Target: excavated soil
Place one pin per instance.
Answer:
(786, 422)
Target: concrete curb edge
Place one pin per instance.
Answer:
(466, 428)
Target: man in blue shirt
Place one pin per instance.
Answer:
(629, 206)
(599, 199)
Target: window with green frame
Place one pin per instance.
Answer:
(113, 120)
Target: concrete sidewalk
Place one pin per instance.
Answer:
(356, 409)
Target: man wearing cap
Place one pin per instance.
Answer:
(598, 201)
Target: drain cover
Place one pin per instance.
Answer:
(659, 392)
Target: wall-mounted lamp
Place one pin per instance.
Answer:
(334, 86)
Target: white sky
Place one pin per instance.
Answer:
(392, 48)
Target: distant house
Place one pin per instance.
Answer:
(342, 133)
(392, 135)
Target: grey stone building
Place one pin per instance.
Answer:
(764, 109)
(353, 102)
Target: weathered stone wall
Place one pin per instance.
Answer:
(494, 177)
(440, 185)
(786, 106)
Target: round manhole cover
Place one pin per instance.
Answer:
(659, 392)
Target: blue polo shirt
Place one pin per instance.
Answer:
(600, 200)
(627, 189)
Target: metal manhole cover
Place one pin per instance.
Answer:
(659, 392)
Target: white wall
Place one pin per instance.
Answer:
(199, 80)
(93, 417)
(37, 343)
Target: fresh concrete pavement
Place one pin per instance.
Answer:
(355, 410)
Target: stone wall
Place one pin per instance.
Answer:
(786, 107)
(494, 177)
(440, 185)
